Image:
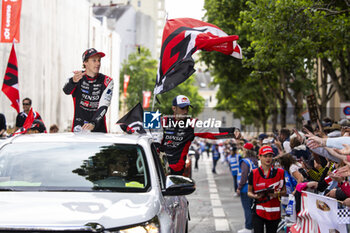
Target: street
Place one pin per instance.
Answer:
(213, 206)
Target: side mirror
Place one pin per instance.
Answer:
(178, 185)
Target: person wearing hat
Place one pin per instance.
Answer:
(91, 92)
(247, 164)
(37, 127)
(178, 134)
(265, 186)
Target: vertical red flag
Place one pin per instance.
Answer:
(146, 98)
(126, 83)
(10, 84)
(10, 20)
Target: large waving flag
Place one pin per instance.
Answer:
(133, 120)
(181, 38)
(10, 85)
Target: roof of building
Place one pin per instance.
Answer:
(111, 11)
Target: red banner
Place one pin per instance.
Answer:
(146, 98)
(11, 16)
(126, 83)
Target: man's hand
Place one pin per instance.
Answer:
(78, 75)
(335, 153)
(314, 141)
(258, 196)
(345, 150)
(331, 193)
(336, 176)
(346, 202)
(312, 185)
(343, 171)
(274, 194)
(88, 126)
(299, 137)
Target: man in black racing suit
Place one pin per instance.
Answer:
(91, 92)
(179, 132)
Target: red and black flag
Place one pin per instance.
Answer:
(133, 120)
(10, 85)
(27, 123)
(181, 38)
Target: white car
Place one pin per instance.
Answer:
(89, 183)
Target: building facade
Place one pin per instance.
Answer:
(54, 34)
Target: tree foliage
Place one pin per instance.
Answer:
(282, 41)
(142, 70)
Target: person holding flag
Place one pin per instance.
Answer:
(31, 125)
(179, 132)
(92, 93)
(22, 116)
(181, 39)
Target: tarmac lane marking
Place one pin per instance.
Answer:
(213, 190)
(221, 223)
(215, 203)
(218, 212)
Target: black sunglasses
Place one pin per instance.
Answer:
(26, 103)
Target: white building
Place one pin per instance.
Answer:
(135, 28)
(54, 34)
(208, 92)
(150, 21)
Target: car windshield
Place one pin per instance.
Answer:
(73, 167)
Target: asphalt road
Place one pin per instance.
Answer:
(213, 206)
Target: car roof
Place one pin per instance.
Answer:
(79, 137)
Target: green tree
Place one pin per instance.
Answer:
(288, 37)
(281, 41)
(238, 92)
(142, 70)
(332, 34)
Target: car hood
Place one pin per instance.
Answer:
(60, 209)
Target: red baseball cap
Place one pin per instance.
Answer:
(248, 146)
(91, 52)
(266, 150)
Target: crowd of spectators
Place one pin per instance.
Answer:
(314, 158)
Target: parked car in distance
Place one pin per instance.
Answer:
(89, 182)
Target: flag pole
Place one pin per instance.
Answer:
(154, 99)
(153, 102)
